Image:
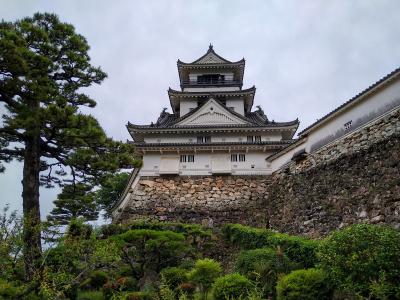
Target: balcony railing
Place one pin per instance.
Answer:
(211, 83)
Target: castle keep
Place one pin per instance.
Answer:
(214, 159)
(212, 128)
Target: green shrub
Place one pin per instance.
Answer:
(204, 274)
(307, 284)
(363, 259)
(97, 279)
(8, 291)
(141, 296)
(298, 249)
(174, 276)
(90, 295)
(231, 286)
(263, 266)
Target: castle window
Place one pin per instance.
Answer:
(203, 139)
(347, 125)
(187, 158)
(210, 78)
(252, 138)
(238, 157)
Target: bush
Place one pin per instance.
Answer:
(232, 286)
(363, 259)
(298, 249)
(174, 276)
(98, 279)
(204, 274)
(263, 266)
(8, 291)
(307, 284)
(141, 296)
(90, 295)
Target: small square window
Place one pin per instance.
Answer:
(183, 158)
(190, 158)
(250, 138)
(257, 138)
(234, 157)
(242, 157)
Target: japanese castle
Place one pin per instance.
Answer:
(213, 128)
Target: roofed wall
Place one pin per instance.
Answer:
(355, 179)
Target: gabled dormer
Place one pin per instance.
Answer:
(211, 72)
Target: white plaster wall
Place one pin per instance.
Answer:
(373, 103)
(237, 104)
(255, 164)
(380, 99)
(211, 89)
(239, 137)
(186, 106)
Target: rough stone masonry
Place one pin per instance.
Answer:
(354, 179)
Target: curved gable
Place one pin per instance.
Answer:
(212, 113)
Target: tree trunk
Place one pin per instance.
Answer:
(30, 196)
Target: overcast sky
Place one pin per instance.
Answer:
(304, 57)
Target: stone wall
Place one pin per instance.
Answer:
(355, 179)
(363, 186)
(206, 199)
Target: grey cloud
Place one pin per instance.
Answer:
(305, 57)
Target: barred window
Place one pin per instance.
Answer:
(203, 139)
(234, 157)
(242, 157)
(187, 158)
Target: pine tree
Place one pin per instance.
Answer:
(75, 201)
(44, 64)
(110, 191)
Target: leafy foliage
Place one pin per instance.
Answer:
(10, 244)
(204, 274)
(44, 65)
(110, 191)
(298, 249)
(75, 201)
(151, 250)
(307, 284)
(231, 286)
(174, 277)
(264, 266)
(363, 259)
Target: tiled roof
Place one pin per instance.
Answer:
(356, 97)
(254, 119)
(210, 50)
(281, 142)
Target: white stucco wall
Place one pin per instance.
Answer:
(186, 106)
(228, 137)
(372, 104)
(237, 105)
(211, 89)
(369, 105)
(255, 164)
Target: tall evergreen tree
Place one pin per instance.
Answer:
(75, 200)
(110, 191)
(44, 64)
